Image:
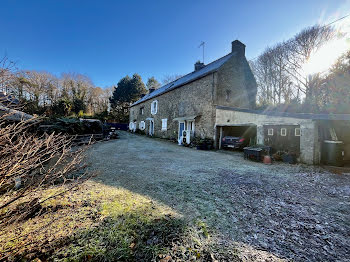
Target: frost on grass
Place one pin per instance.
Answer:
(103, 223)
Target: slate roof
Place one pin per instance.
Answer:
(209, 68)
(287, 114)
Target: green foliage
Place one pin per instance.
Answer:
(78, 105)
(127, 91)
(62, 107)
(203, 143)
(70, 126)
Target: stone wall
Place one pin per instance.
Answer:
(236, 84)
(193, 99)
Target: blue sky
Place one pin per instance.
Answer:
(107, 40)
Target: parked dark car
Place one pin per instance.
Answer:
(234, 142)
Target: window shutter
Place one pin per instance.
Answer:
(164, 124)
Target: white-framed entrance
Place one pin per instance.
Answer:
(180, 130)
(185, 123)
(151, 128)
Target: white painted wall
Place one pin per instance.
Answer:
(309, 144)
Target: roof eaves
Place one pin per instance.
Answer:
(288, 114)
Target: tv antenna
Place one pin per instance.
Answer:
(202, 45)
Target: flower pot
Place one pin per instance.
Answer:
(290, 159)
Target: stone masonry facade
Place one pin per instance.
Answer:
(232, 84)
(193, 99)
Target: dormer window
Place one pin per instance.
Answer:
(154, 107)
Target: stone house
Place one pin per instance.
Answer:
(218, 99)
(189, 103)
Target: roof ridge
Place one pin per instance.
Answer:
(196, 70)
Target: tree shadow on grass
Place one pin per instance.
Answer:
(293, 214)
(136, 237)
(103, 223)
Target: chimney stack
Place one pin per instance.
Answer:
(238, 47)
(198, 65)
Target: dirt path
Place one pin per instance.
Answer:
(296, 212)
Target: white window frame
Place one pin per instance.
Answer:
(164, 124)
(142, 125)
(270, 133)
(283, 131)
(151, 128)
(190, 126)
(154, 107)
(297, 133)
(142, 110)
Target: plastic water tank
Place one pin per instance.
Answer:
(332, 153)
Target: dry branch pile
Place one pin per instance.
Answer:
(30, 163)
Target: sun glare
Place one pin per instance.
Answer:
(323, 58)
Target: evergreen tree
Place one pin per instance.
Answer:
(152, 83)
(127, 91)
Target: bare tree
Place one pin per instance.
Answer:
(299, 50)
(7, 72)
(31, 162)
(170, 78)
(273, 80)
(280, 70)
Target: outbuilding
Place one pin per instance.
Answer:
(301, 133)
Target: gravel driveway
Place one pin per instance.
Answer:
(296, 212)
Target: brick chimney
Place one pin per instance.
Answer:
(198, 65)
(238, 47)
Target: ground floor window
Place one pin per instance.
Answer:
(190, 126)
(132, 126)
(164, 124)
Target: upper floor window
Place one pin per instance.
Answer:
(283, 131)
(228, 94)
(270, 132)
(154, 107)
(297, 131)
(141, 110)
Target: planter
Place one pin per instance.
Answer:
(203, 147)
(290, 159)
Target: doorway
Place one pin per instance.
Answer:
(181, 128)
(151, 127)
